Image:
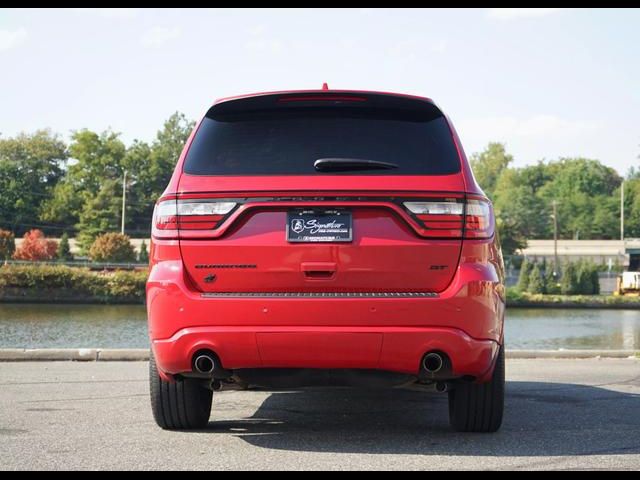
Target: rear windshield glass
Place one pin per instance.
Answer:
(288, 142)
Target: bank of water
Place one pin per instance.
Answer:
(124, 326)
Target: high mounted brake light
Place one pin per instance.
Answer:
(453, 218)
(169, 216)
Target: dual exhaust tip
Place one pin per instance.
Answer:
(205, 363)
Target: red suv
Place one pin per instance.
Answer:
(331, 238)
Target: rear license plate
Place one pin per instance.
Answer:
(319, 226)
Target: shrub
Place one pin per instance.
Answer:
(551, 281)
(523, 279)
(536, 281)
(81, 282)
(569, 281)
(143, 256)
(64, 250)
(588, 280)
(112, 247)
(7, 244)
(36, 247)
(595, 282)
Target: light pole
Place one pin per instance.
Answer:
(555, 238)
(622, 210)
(124, 199)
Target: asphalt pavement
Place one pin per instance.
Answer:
(560, 414)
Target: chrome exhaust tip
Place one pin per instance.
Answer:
(204, 364)
(433, 362)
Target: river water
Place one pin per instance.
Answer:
(123, 326)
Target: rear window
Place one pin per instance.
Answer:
(288, 142)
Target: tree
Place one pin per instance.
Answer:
(551, 281)
(585, 191)
(518, 207)
(88, 195)
(489, 164)
(30, 167)
(525, 272)
(536, 281)
(151, 167)
(35, 247)
(7, 244)
(112, 247)
(64, 250)
(569, 281)
(143, 256)
(100, 214)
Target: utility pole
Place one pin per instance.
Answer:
(622, 211)
(555, 238)
(124, 198)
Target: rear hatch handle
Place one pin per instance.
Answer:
(318, 270)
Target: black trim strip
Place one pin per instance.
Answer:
(319, 295)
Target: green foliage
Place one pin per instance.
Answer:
(151, 167)
(536, 281)
(587, 278)
(7, 244)
(100, 213)
(112, 247)
(551, 281)
(569, 280)
(64, 250)
(632, 205)
(30, 167)
(587, 194)
(40, 279)
(489, 164)
(516, 298)
(525, 272)
(143, 255)
(90, 194)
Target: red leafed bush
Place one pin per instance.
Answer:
(36, 247)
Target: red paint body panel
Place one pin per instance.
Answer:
(389, 252)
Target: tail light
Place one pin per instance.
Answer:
(454, 218)
(169, 216)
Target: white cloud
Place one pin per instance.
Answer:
(439, 47)
(532, 138)
(262, 42)
(120, 13)
(114, 13)
(12, 38)
(158, 36)
(515, 13)
(540, 127)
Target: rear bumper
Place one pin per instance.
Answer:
(392, 334)
(394, 349)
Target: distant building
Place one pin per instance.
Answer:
(615, 252)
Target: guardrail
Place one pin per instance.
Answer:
(82, 264)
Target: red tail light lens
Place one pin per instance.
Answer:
(169, 216)
(452, 218)
(478, 219)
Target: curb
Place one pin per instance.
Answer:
(73, 354)
(142, 354)
(574, 354)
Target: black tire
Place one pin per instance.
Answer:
(479, 407)
(181, 405)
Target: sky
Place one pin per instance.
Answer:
(547, 82)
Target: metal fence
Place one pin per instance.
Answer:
(82, 264)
